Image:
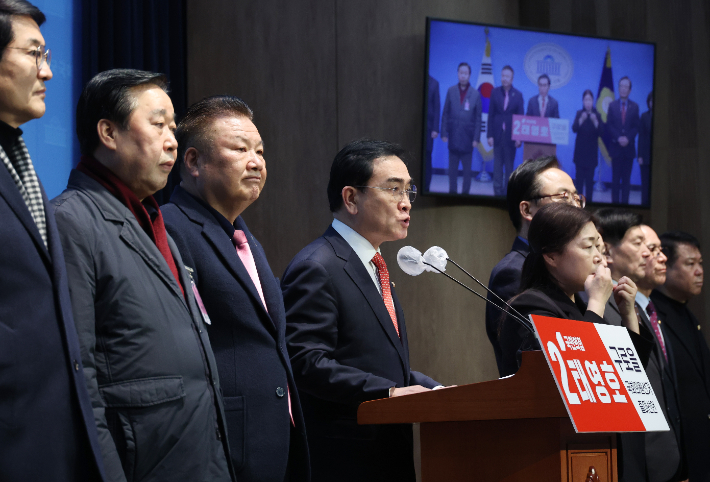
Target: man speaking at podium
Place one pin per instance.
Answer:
(345, 327)
(543, 105)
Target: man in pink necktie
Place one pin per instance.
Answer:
(543, 104)
(346, 332)
(506, 100)
(223, 170)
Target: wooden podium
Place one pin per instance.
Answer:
(514, 429)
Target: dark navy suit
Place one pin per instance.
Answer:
(47, 429)
(344, 351)
(505, 282)
(248, 343)
(503, 145)
(622, 158)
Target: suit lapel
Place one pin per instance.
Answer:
(359, 275)
(223, 247)
(11, 194)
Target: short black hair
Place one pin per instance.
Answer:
(523, 185)
(462, 64)
(670, 242)
(108, 96)
(625, 77)
(508, 67)
(15, 8)
(544, 76)
(353, 166)
(194, 128)
(614, 223)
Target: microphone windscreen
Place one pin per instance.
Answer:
(436, 257)
(410, 260)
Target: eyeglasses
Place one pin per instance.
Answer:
(579, 199)
(397, 193)
(655, 250)
(41, 55)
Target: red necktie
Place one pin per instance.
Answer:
(384, 275)
(653, 318)
(543, 107)
(505, 104)
(623, 112)
(244, 252)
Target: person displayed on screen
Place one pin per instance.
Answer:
(565, 258)
(644, 154)
(506, 100)
(588, 126)
(622, 120)
(431, 132)
(543, 105)
(461, 127)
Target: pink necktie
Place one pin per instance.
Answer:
(244, 252)
(384, 275)
(623, 113)
(543, 108)
(505, 104)
(653, 318)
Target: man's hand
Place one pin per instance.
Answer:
(518, 144)
(475, 144)
(398, 392)
(623, 141)
(640, 161)
(625, 297)
(445, 139)
(490, 141)
(434, 134)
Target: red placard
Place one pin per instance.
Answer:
(599, 375)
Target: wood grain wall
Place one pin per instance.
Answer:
(319, 73)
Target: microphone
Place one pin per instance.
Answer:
(434, 259)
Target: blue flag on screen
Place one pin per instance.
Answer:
(605, 95)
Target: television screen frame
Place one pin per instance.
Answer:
(526, 60)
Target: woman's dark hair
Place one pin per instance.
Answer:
(584, 94)
(552, 228)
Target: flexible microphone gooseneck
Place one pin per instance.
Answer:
(413, 263)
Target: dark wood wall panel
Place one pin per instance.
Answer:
(278, 56)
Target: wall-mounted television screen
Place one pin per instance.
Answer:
(496, 96)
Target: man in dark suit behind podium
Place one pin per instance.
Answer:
(223, 171)
(506, 100)
(691, 355)
(345, 327)
(543, 104)
(532, 185)
(651, 456)
(623, 123)
(47, 429)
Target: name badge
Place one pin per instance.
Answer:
(205, 316)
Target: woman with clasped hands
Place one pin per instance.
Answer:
(565, 259)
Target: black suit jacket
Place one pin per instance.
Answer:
(497, 115)
(645, 130)
(248, 344)
(47, 429)
(652, 456)
(691, 357)
(616, 128)
(586, 144)
(552, 109)
(344, 351)
(505, 282)
(433, 112)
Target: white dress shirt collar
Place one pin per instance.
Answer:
(362, 247)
